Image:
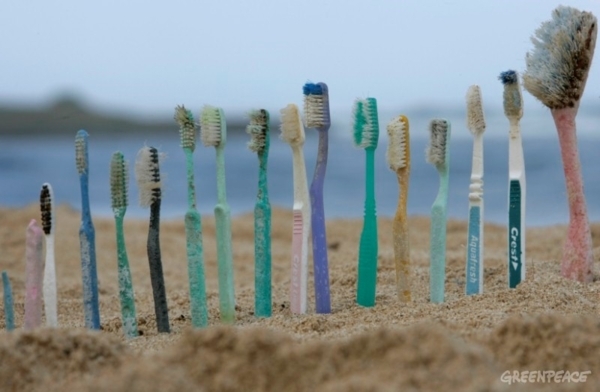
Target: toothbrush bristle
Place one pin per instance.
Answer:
(258, 129)
(46, 208)
(292, 130)
(81, 154)
(210, 126)
(438, 142)
(147, 173)
(475, 119)
(366, 123)
(398, 143)
(187, 128)
(118, 181)
(558, 65)
(513, 100)
(316, 105)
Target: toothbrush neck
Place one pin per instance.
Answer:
(190, 178)
(262, 175)
(221, 190)
(322, 155)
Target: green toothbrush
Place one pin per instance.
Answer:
(193, 223)
(214, 133)
(366, 135)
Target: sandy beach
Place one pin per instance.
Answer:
(469, 343)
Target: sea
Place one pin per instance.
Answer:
(28, 161)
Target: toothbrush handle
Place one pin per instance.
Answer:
(9, 313)
(319, 235)
(50, 308)
(474, 265)
(437, 252)
(262, 256)
(193, 234)
(367, 254)
(125, 283)
(225, 263)
(516, 235)
(161, 308)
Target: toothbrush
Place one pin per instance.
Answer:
(118, 190)
(47, 208)
(259, 143)
(366, 135)
(557, 71)
(316, 112)
(87, 239)
(147, 173)
(292, 132)
(398, 158)
(438, 154)
(513, 109)
(474, 262)
(9, 312)
(193, 223)
(34, 272)
(214, 133)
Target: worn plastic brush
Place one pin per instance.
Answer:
(259, 143)
(557, 71)
(513, 109)
(316, 112)
(398, 159)
(438, 154)
(213, 132)
(193, 222)
(366, 135)
(118, 191)
(87, 237)
(292, 132)
(474, 263)
(147, 173)
(48, 222)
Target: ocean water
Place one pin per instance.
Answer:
(28, 161)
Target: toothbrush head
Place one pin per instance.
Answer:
(258, 129)
(292, 130)
(46, 207)
(147, 174)
(366, 123)
(316, 105)
(212, 126)
(398, 151)
(81, 151)
(559, 64)
(437, 150)
(187, 128)
(513, 100)
(475, 119)
(118, 181)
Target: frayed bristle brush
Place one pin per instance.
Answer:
(292, 132)
(118, 192)
(147, 173)
(259, 143)
(474, 262)
(513, 109)
(87, 239)
(213, 132)
(316, 112)
(366, 135)
(48, 221)
(193, 223)
(398, 159)
(557, 71)
(438, 154)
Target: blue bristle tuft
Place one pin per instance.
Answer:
(508, 77)
(312, 89)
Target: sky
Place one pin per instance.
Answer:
(145, 57)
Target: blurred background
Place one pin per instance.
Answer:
(118, 69)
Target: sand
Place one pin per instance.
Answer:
(468, 343)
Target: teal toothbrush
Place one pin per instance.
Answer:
(193, 223)
(259, 143)
(214, 133)
(118, 191)
(438, 154)
(9, 313)
(366, 135)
